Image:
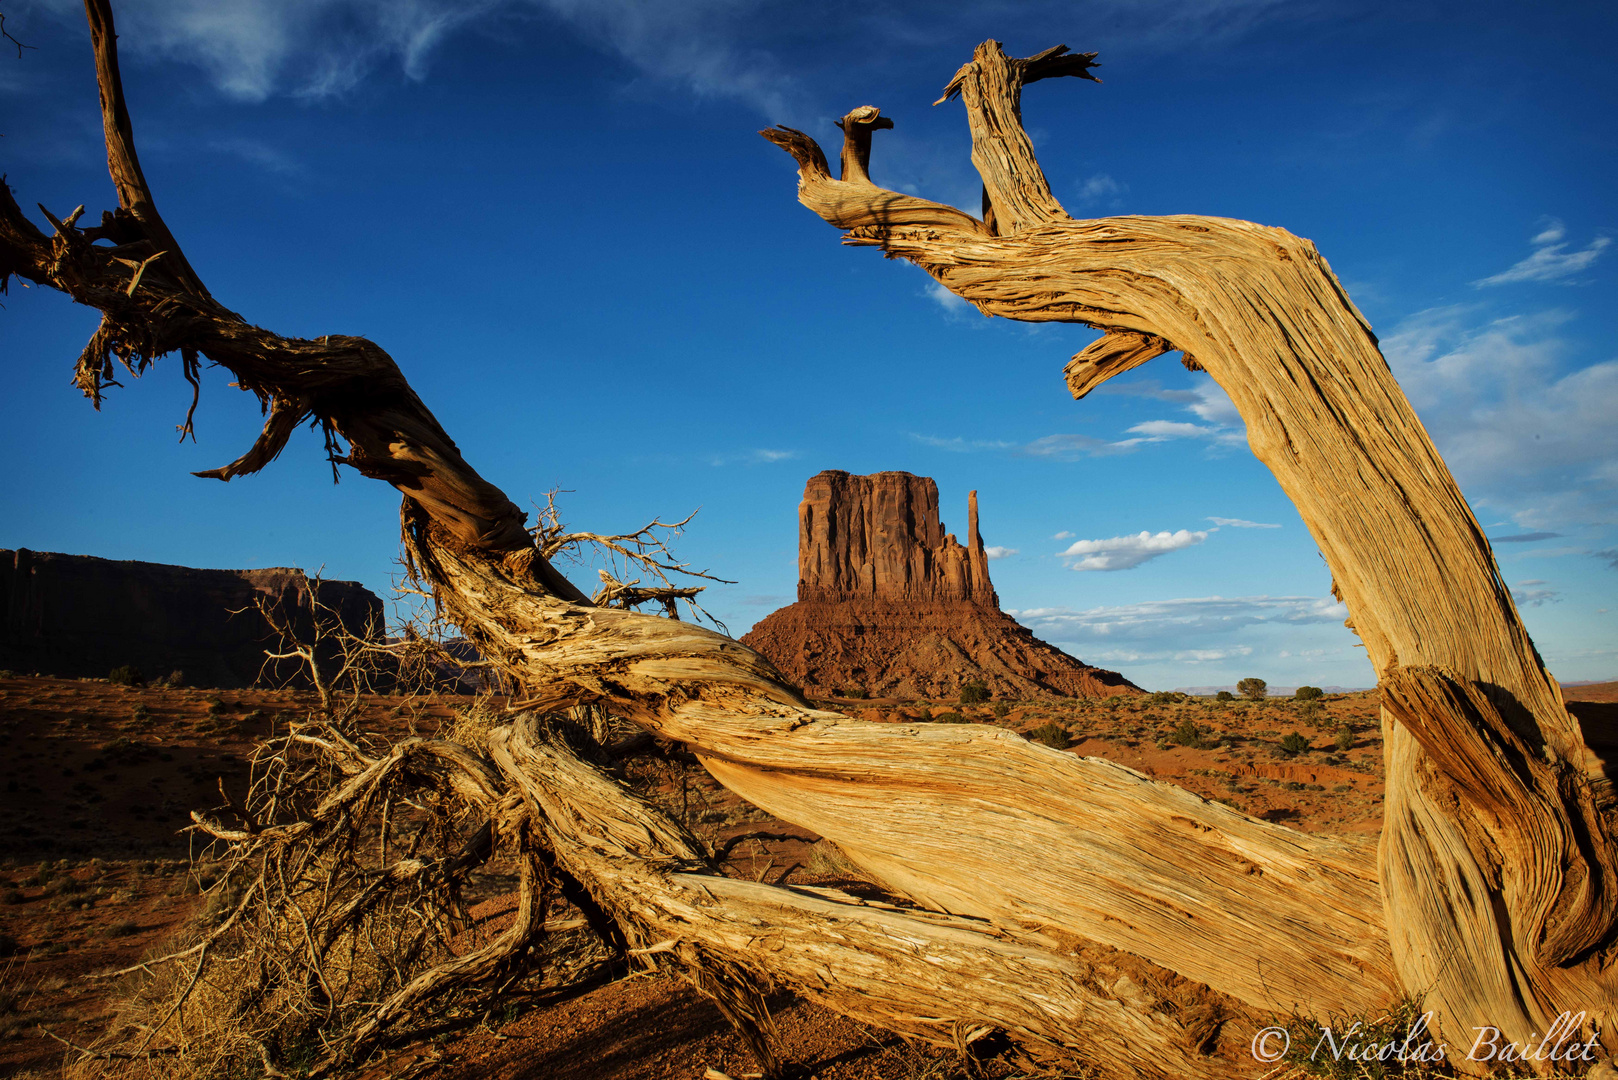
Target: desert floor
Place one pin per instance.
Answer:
(97, 780)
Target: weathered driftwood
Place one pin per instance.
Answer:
(1496, 872)
(941, 977)
(1497, 864)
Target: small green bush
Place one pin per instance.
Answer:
(64, 885)
(1224, 695)
(1309, 693)
(950, 718)
(975, 692)
(1253, 689)
(1399, 1026)
(1052, 734)
(1344, 740)
(1294, 743)
(1000, 709)
(1188, 734)
(126, 675)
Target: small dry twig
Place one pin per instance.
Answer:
(646, 548)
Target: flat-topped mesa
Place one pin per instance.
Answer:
(879, 537)
(77, 616)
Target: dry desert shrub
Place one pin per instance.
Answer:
(338, 919)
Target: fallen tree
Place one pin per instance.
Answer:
(1071, 904)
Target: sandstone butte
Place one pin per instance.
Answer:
(890, 605)
(78, 616)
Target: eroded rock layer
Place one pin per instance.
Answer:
(891, 605)
(77, 616)
(879, 537)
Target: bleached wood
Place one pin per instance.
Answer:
(1494, 848)
(935, 976)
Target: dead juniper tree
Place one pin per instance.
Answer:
(1072, 905)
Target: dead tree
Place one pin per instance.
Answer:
(1069, 903)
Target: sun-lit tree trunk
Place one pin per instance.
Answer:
(1067, 902)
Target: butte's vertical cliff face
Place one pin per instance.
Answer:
(77, 615)
(879, 537)
(891, 604)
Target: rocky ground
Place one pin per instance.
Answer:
(96, 782)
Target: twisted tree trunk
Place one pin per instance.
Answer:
(1068, 902)
(1497, 858)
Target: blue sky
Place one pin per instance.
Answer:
(559, 219)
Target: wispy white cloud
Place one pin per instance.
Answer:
(1280, 638)
(1522, 432)
(1220, 423)
(1181, 619)
(1239, 523)
(1207, 401)
(953, 305)
(1148, 388)
(1160, 430)
(753, 457)
(1550, 260)
(998, 552)
(1101, 190)
(727, 48)
(1068, 447)
(960, 445)
(1063, 535)
(1127, 552)
(1154, 431)
(1550, 553)
(711, 49)
(749, 51)
(1214, 406)
(253, 49)
(1532, 593)
(262, 155)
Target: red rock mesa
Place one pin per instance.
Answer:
(891, 605)
(77, 615)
